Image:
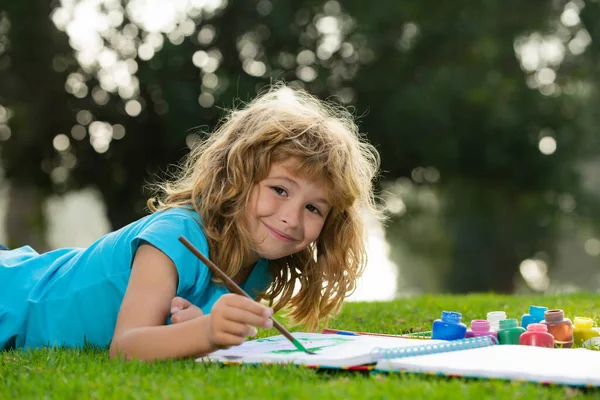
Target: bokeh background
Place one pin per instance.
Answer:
(485, 114)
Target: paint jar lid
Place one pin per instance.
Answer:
(451, 316)
(554, 315)
(509, 323)
(583, 322)
(537, 311)
(480, 325)
(537, 328)
(496, 315)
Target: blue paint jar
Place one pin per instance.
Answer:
(449, 327)
(535, 316)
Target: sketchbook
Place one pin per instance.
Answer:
(573, 367)
(336, 351)
(478, 357)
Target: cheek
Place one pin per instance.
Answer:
(313, 230)
(265, 204)
(252, 209)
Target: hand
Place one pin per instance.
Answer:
(182, 310)
(233, 318)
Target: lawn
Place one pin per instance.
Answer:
(70, 374)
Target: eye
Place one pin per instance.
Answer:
(313, 209)
(278, 190)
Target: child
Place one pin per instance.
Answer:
(274, 197)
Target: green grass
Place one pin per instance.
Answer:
(71, 374)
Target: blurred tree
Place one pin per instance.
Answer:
(35, 94)
(452, 109)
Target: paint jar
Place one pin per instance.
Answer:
(583, 330)
(510, 331)
(480, 327)
(537, 335)
(535, 316)
(495, 317)
(449, 327)
(559, 327)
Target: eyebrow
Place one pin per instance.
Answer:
(293, 182)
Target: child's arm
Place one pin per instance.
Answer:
(140, 331)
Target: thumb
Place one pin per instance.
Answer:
(178, 304)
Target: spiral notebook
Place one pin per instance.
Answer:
(337, 351)
(573, 367)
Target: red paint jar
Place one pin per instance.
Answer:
(537, 335)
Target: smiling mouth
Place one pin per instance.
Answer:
(280, 236)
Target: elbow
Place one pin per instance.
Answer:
(127, 347)
(116, 353)
(112, 353)
(119, 350)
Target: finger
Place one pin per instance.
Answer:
(224, 340)
(249, 305)
(187, 314)
(240, 315)
(239, 329)
(178, 304)
(176, 318)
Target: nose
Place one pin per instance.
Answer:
(291, 215)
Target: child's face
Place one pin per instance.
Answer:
(286, 211)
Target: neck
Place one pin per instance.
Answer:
(243, 273)
(249, 265)
(250, 261)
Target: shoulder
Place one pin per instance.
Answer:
(176, 214)
(173, 221)
(163, 228)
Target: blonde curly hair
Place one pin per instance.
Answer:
(218, 175)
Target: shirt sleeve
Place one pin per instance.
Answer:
(164, 232)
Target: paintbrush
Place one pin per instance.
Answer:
(232, 286)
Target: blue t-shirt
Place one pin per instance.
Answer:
(72, 296)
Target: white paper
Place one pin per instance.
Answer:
(579, 367)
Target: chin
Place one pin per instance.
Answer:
(272, 255)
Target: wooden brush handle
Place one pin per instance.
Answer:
(231, 285)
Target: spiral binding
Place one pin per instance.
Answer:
(435, 348)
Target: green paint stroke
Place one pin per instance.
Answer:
(270, 340)
(297, 350)
(306, 339)
(301, 349)
(298, 345)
